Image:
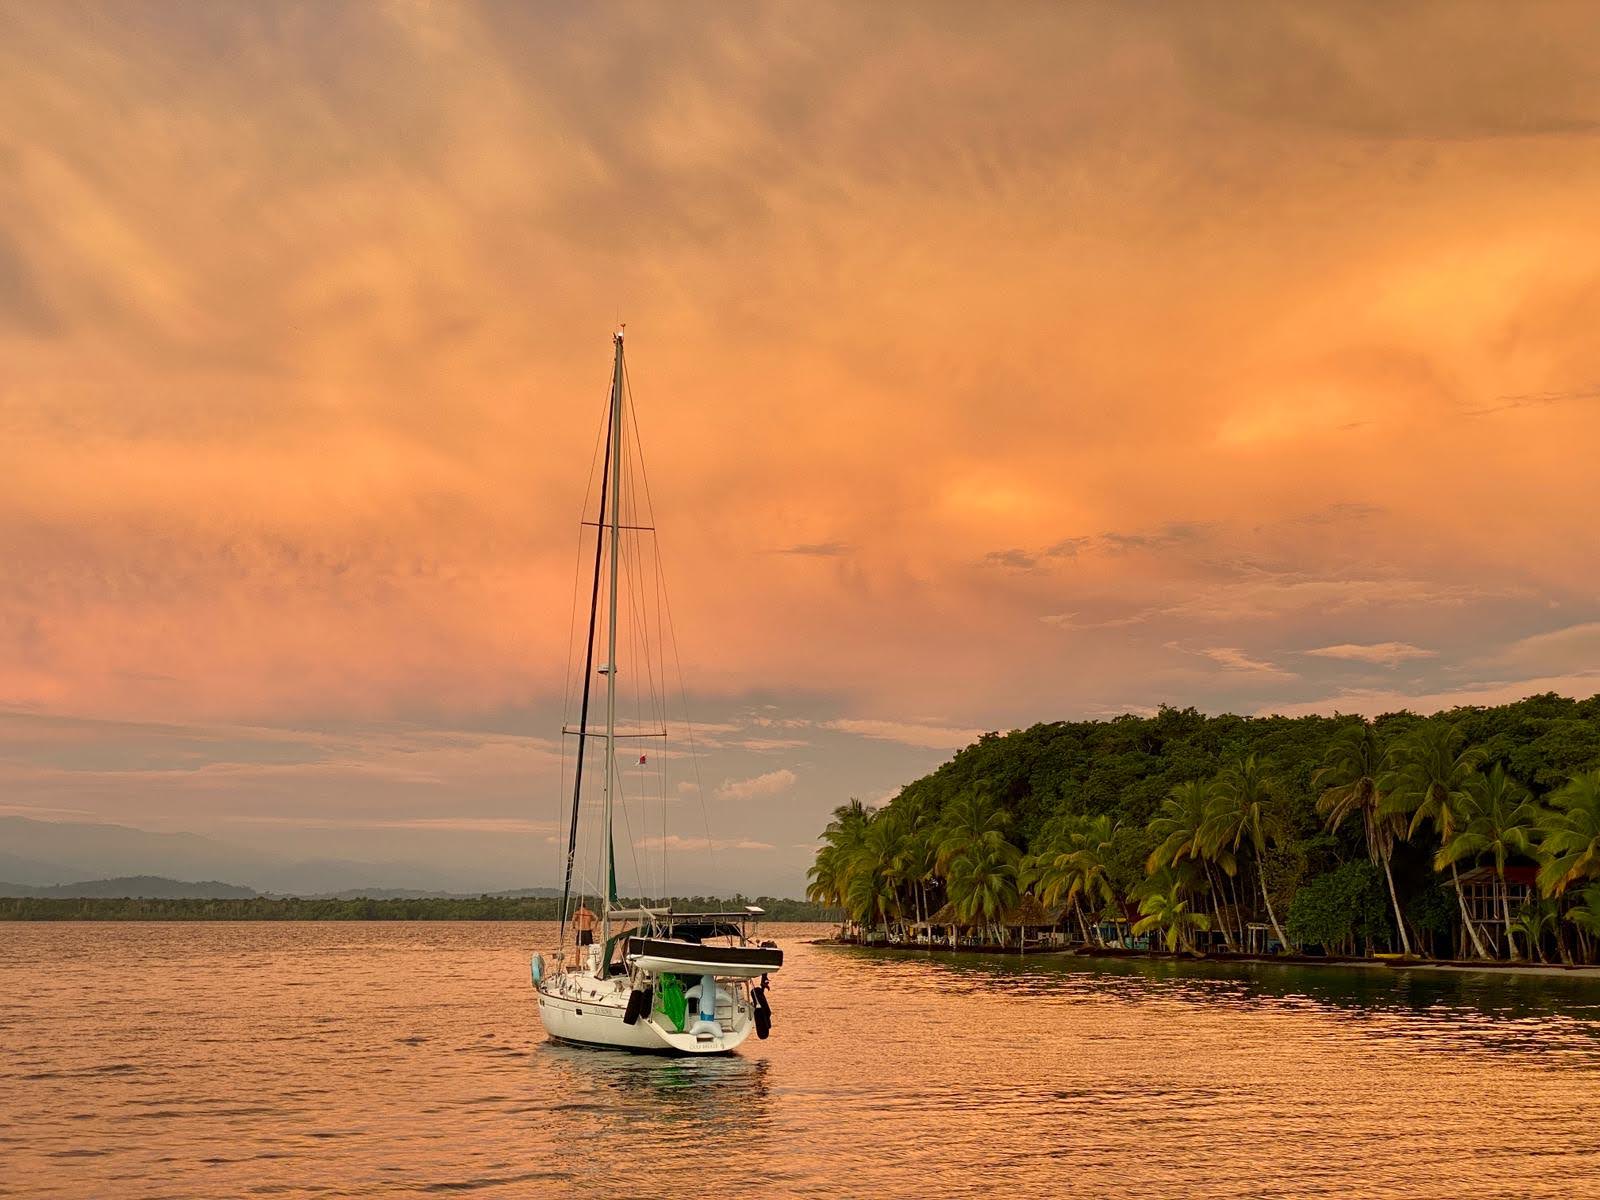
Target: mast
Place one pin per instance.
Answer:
(588, 676)
(611, 635)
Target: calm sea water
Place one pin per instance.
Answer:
(203, 1060)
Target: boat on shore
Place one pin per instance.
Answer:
(655, 980)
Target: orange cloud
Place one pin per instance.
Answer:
(981, 358)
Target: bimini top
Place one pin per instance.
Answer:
(673, 954)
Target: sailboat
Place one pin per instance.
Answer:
(654, 979)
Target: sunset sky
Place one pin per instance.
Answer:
(995, 364)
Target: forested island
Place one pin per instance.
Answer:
(1474, 833)
(290, 908)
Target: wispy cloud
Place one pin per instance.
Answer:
(1162, 537)
(1072, 620)
(1373, 702)
(1572, 647)
(770, 784)
(1387, 654)
(1232, 658)
(1173, 533)
(768, 745)
(818, 549)
(689, 844)
(907, 733)
(1535, 400)
(495, 825)
(1014, 559)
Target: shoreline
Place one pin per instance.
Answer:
(1447, 966)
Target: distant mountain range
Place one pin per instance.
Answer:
(156, 887)
(147, 887)
(54, 854)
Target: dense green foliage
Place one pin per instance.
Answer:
(1316, 832)
(270, 908)
(1336, 909)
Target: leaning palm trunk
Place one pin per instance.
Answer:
(1083, 922)
(1238, 908)
(1505, 911)
(1466, 918)
(1216, 909)
(1394, 898)
(1261, 875)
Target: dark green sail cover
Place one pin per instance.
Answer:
(670, 1000)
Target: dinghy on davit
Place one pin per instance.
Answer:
(655, 980)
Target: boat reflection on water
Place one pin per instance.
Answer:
(713, 1091)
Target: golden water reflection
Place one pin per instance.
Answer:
(400, 1060)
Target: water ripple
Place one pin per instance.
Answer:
(396, 1060)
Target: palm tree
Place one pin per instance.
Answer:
(1241, 809)
(829, 876)
(1179, 829)
(871, 894)
(1179, 824)
(1532, 923)
(914, 865)
(983, 881)
(1501, 820)
(1586, 918)
(849, 820)
(1571, 842)
(1074, 865)
(1349, 779)
(1165, 907)
(1090, 863)
(1053, 874)
(971, 820)
(1182, 836)
(1428, 783)
(1094, 858)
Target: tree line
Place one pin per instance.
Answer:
(1333, 834)
(289, 908)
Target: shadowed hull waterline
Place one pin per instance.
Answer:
(591, 1023)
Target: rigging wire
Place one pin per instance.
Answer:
(672, 631)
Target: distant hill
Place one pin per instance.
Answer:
(148, 887)
(379, 893)
(159, 887)
(63, 852)
(35, 853)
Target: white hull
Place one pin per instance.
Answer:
(576, 1007)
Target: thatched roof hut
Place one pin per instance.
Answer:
(1028, 913)
(949, 916)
